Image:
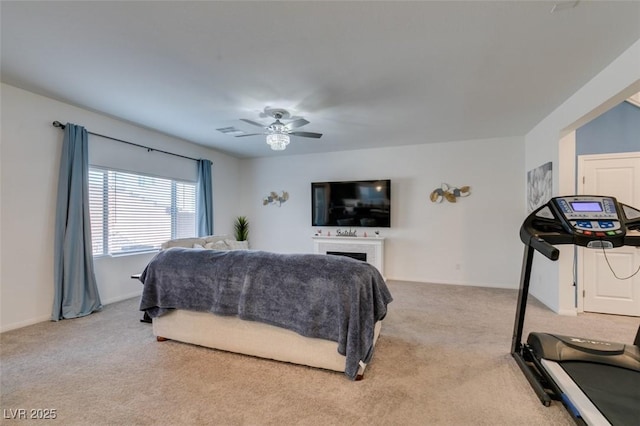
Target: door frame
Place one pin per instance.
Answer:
(579, 256)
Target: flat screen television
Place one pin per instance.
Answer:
(362, 203)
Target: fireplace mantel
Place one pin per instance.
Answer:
(372, 246)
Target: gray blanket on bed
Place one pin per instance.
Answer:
(329, 297)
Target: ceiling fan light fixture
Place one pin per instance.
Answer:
(278, 141)
(278, 133)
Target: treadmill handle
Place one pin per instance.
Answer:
(544, 247)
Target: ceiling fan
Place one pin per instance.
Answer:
(278, 132)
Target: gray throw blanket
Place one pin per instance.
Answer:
(328, 297)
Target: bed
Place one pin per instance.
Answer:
(310, 309)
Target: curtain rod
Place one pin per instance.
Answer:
(149, 149)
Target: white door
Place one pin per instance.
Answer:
(616, 175)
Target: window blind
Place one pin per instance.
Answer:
(133, 212)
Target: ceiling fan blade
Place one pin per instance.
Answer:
(253, 123)
(249, 134)
(297, 123)
(306, 134)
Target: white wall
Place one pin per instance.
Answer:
(552, 282)
(29, 163)
(426, 241)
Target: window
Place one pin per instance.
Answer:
(132, 212)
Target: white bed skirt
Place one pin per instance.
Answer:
(252, 338)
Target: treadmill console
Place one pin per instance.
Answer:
(590, 215)
(587, 220)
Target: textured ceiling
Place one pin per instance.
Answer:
(365, 74)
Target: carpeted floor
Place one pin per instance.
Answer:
(442, 359)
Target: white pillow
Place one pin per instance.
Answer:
(198, 246)
(237, 245)
(182, 242)
(215, 238)
(217, 245)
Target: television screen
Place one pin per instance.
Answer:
(351, 204)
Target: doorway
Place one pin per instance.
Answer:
(600, 287)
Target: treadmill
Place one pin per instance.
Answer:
(597, 381)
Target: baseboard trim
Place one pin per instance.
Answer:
(120, 298)
(459, 283)
(36, 320)
(25, 323)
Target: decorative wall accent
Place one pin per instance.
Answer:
(450, 193)
(275, 199)
(349, 233)
(539, 186)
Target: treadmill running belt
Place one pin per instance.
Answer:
(614, 390)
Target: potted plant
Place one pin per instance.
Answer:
(241, 228)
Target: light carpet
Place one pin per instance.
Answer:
(442, 359)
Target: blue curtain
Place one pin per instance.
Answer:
(204, 199)
(75, 288)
